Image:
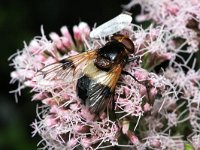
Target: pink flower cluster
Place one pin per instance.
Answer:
(154, 110)
(180, 17)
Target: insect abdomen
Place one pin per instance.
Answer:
(94, 95)
(82, 87)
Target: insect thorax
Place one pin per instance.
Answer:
(113, 53)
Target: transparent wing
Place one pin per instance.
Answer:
(68, 69)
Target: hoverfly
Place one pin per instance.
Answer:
(96, 71)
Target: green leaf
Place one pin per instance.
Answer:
(188, 147)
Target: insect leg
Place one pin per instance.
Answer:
(127, 73)
(133, 59)
(145, 82)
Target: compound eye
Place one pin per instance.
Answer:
(125, 41)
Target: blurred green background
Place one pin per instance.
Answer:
(20, 20)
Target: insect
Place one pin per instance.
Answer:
(96, 71)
